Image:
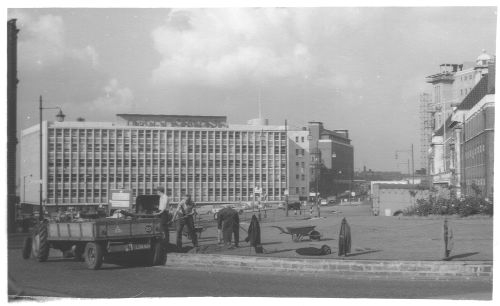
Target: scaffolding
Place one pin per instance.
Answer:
(426, 127)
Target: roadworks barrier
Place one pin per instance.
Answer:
(337, 267)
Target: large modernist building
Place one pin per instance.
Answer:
(204, 156)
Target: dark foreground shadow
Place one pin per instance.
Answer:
(460, 256)
(310, 251)
(362, 253)
(278, 251)
(270, 243)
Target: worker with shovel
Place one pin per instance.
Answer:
(183, 216)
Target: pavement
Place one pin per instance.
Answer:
(61, 277)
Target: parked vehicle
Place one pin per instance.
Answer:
(323, 202)
(92, 238)
(294, 206)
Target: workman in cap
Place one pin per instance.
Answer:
(163, 212)
(228, 221)
(183, 215)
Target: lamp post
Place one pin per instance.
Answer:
(60, 117)
(412, 162)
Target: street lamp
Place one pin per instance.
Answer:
(412, 162)
(60, 118)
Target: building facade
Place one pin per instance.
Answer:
(82, 161)
(479, 147)
(455, 90)
(331, 160)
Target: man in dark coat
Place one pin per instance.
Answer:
(254, 235)
(344, 238)
(448, 238)
(228, 221)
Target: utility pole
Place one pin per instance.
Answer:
(40, 207)
(412, 165)
(11, 123)
(463, 157)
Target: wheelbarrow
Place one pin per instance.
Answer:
(299, 232)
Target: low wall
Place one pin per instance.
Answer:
(364, 268)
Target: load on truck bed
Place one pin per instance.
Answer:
(92, 240)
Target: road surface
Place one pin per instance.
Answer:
(66, 278)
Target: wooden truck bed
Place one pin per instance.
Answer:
(104, 229)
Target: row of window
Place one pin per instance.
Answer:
(300, 152)
(477, 150)
(464, 91)
(168, 163)
(478, 181)
(141, 148)
(137, 133)
(302, 138)
(197, 177)
(102, 193)
(301, 177)
(465, 77)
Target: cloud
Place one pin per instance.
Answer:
(42, 42)
(114, 98)
(218, 46)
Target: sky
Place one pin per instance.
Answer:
(360, 69)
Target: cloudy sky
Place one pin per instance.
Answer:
(360, 69)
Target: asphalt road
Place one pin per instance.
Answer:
(66, 278)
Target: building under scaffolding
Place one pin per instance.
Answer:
(426, 128)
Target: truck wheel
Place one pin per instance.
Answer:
(27, 247)
(93, 255)
(158, 255)
(40, 243)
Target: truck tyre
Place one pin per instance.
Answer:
(93, 255)
(40, 243)
(27, 247)
(158, 255)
